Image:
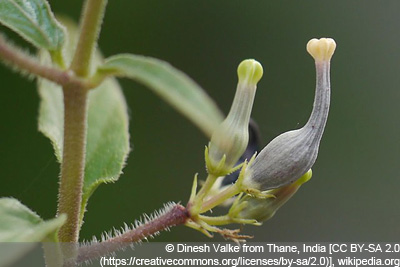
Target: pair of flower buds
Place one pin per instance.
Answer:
(285, 163)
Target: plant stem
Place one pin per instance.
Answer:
(217, 220)
(176, 215)
(220, 198)
(25, 62)
(75, 123)
(91, 20)
(72, 167)
(196, 205)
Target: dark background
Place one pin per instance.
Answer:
(353, 195)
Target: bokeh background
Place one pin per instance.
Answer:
(354, 193)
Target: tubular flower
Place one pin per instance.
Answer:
(230, 139)
(290, 155)
(252, 147)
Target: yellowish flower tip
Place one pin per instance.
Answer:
(250, 71)
(305, 178)
(321, 49)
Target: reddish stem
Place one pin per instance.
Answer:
(177, 215)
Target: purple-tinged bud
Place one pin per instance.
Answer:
(290, 155)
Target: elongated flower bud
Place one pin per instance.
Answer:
(230, 139)
(253, 146)
(290, 155)
(263, 209)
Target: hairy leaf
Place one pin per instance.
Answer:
(172, 85)
(19, 224)
(107, 138)
(34, 21)
(107, 144)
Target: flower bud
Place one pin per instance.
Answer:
(292, 154)
(263, 209)
(253, 147)
(230, 139)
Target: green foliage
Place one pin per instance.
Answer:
(19, 224)
(51, 114)
(34, 21)
(172, 85)
(108, 134)
(107, 138)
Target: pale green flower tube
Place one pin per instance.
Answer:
(290, 155)
(230, 139)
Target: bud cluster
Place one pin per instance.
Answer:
(268, 180)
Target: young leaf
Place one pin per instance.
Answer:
(34, 21)
(19, 224)
(107, 145)
(107, 138)
(172, 85)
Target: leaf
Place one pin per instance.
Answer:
(172, 85)
(19, 224)
(107, 144)
(34, 21)
(51, 113)
(108, 137)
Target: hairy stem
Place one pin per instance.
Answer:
(75, 123)
(91, 20)
(176, 215)
(72, 167)
(25, 62)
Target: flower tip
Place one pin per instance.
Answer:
(250, 71)
(305, 178)
(321, 49)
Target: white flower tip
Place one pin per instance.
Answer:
(250, 71)
(321, 49)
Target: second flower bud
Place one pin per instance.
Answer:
(230, 139)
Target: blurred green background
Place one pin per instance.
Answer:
(353, 195)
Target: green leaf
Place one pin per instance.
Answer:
(172, 85)
(19, 224)
(108, 137)
(107, 144)
(34, 21)
(51, 113)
